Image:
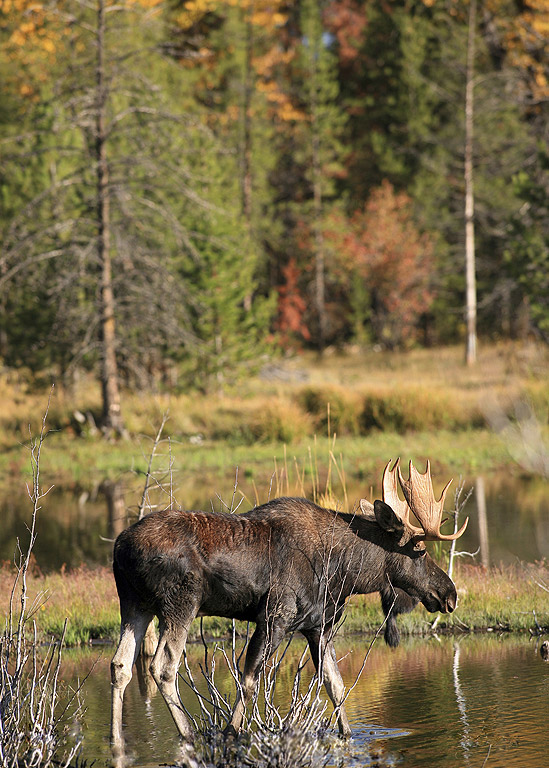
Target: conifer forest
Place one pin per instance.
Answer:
(195, 185)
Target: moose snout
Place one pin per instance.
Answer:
(450, 604)
(437, 601)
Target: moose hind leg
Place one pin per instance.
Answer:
(164, 667)
(324, 658)
(132, 633)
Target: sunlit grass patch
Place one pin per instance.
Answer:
(85, 597)
(380, 404)
(502, 597)
(498, 599)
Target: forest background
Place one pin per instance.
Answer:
(190, 188)
(192, 192)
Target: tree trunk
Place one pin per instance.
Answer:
(320, 279)
(112, 415)
(470, 268)
(246, 181)
(482, 523)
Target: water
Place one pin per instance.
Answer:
(78, 526)
(447, 702)
(444, 702)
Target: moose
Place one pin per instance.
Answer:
(288, 565)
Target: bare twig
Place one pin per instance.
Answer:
(141, 508)
(459, 503)
(30, 721)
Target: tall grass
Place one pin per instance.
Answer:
(350, 394)
(424, 402)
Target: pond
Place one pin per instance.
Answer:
(509, 517)
(445, 702)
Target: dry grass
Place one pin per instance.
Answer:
(86, 597)
(351, 394)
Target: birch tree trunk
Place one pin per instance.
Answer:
(470, 267)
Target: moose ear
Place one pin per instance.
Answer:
(367, 508)
(386, 518)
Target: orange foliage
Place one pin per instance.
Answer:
(37, 34)
(291, 307)
(522, 31)
(272, 54)
(346, 20)
(384, 247)
(526, 38)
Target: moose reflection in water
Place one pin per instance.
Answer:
(286, 566)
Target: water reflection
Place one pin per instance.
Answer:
(462, 704)
(509, 516)
(436, 702)
(117, 513)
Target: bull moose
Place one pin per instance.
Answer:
(288, 565)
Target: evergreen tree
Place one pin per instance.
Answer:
(499, 144)
(230, 335)
(107, 236)
(527, 257)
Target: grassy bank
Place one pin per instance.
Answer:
(423, 402)
(508, 599)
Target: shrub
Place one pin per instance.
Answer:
(332, 409)
(282, 421)
(406, 410)
(537, 394)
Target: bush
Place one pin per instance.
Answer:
(537, 394)
(407, 410)
(332, 409)
(281, 421)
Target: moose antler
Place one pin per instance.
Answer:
(420, 499)
(390, 496)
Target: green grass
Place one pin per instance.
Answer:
(499, 599)
(82, 462)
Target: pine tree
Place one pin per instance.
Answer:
(231, 336)
(527, 259)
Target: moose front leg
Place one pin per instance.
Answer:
(324, 658)
(264, 642)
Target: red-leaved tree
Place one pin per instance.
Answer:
(382, 249)
(290, 323)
